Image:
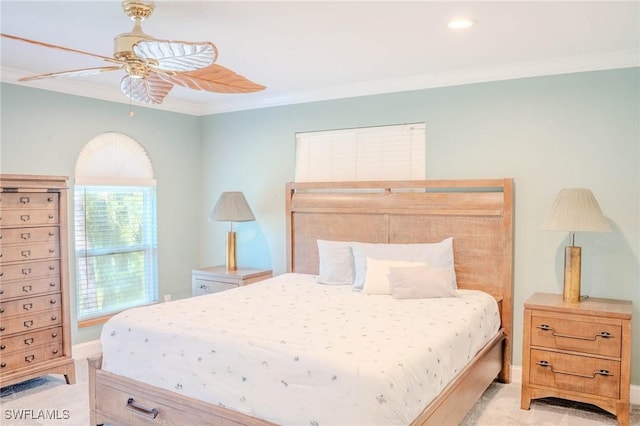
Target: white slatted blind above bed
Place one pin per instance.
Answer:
(395, 152)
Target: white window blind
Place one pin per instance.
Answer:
(396, 152)
(115, 227)
(116, 248)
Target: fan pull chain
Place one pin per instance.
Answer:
(130, 107)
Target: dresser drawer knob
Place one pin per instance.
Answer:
(26, 288)
(52, 268)
(544, 363)
(50, 199)
(55, 351)
(54, 335)
(1, 291)
(3, 365)
(26, 271)
(29, 358)
(25, 235)
(53, 318)
(28, 324)
(24, 200)
(26, 253)
(2, 328)
(1, 310)
(28, 341)
(25, 217)
(3, 347)
(27, 306)
(51, 216)
(53, 301)
(602, 334)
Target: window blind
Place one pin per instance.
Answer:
(116, 248)
(395, 152)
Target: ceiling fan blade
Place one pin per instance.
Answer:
(176, 55)
(53, 46)
(150, 90)
(73, 73)
(214, 78)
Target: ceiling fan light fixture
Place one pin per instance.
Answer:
(460, 23)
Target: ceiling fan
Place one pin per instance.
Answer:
(154, 66)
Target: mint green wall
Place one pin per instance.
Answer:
(547, 133)
(43, 133)
(574, 130)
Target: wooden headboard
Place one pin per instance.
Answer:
(478, 214)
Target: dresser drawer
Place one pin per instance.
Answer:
(29, 270)
(26, 217)
(33, 235)
(35, 200)
(29, 305)
(26, 341)
(30, 322)
(574, 335)
(575, 373)
(29, 287)
(29, 251)
(205, 286)
(30, 357)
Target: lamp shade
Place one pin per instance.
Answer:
(232, 207)
(575, 210)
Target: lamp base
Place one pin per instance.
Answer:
(571, 291)
(230, 261)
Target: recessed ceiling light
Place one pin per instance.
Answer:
(459, 24)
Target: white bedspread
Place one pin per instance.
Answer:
(295, 352)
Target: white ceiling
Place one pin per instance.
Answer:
(307, 51)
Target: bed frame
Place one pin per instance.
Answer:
(478, 214)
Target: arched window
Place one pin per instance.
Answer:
(115, 227)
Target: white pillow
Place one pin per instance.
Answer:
(435, 254)
(335, 262)
(377, 278)
(419, 282)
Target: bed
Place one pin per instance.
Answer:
(477, 214)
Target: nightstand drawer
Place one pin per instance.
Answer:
(575, 373)
(573, 335)
(204, 286)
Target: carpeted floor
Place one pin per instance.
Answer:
(49, 401)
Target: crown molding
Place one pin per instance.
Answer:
(595, 62)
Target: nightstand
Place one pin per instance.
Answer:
(578, 351)
(217, 278)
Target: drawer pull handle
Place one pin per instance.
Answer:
(27, 306)
(28, 341)
(52, 268)
(51, 216)
(25, 217)
(138, 409)
(26, 253)
(26, 288)
(24, 200)
(603, 334)
(29, 358)
(26, 271)
(3, 347)
(2, 328)
(25, 235)
(1, 310)
(544, 363)
(53, 301)
(50, 199)
(3, 365)
(28, 324)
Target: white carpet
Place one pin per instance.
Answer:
(50, 401)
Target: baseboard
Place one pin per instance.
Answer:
(87, 349)
(516, 377)
(94, 348)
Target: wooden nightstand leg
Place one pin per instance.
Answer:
(525, 399)
(622, 412)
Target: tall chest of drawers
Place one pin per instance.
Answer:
(578, 351)
(35, 333)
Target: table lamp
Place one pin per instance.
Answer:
(232, 207)
(574, 210)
